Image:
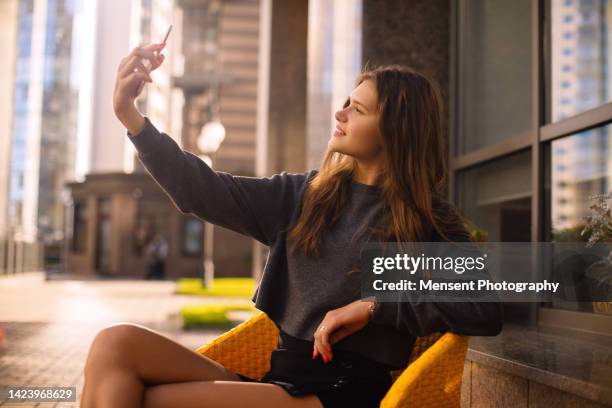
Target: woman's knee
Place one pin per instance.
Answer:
(112, 346)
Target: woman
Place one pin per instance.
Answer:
(382, 177)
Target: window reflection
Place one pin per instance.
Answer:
(579, 169)
(497, 198)
(579, 56)
(495, 72)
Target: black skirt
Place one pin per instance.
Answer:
(348, 380)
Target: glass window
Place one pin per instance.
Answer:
(580, 171)
(495, 72)
(578, 57)
(496, 197)
(587, 172)
(192, 237)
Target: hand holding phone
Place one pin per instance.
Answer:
(133, 72)
(147, 63)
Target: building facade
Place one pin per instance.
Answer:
(116, 215)
(39, 127)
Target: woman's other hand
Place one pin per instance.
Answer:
(131, 74)
(339, 323)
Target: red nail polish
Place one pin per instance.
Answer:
(325, 359)
(314, 354)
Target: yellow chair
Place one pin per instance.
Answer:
(431, 379)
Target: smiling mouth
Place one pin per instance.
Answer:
(338, 132)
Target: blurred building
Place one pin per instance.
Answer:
(221, 45)
(58, 120)
(42, 134)
(8, 37)
(117, 208)
(116, 215)
(334, 61)
(9, 13)
(220, 81)
(119, 27)
(211, 69)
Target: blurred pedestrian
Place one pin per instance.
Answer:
(156, 253)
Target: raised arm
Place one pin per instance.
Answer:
(252, 206)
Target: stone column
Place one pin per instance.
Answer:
(287, 97)
(410, 32)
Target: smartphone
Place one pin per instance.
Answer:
(167, 35)
(146, 62)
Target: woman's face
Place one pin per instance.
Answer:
(358, 123)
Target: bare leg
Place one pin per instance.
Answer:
(124, 358)
(224, 394)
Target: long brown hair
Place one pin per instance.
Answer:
(414, 168)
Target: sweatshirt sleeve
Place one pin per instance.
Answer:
(424, 318)
(421, 319)
(251, 206)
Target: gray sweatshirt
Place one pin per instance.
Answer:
(295, 291)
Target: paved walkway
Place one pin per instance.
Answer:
(50, 325)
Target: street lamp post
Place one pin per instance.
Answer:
(68, 227)
(210, 139)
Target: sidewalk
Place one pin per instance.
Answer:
(50, 325)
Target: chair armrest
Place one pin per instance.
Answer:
(434, 378)
(246, 348)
